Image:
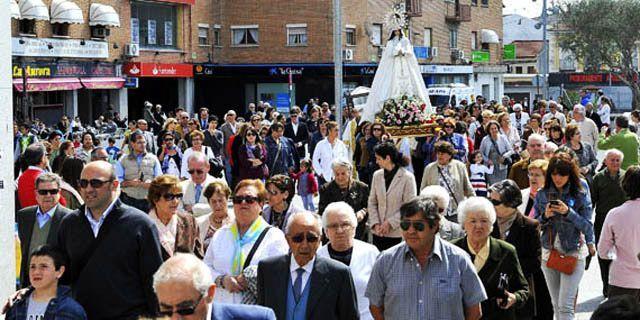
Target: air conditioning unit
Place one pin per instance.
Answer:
(348, 55)
(434, 51)
(461, 54)
(99, 32)
(132, 50)
(457, 54)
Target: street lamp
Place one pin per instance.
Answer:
(545, 50)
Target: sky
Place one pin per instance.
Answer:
(527, 8)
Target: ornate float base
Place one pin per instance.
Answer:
(423, 130)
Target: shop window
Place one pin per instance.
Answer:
(60, 29)
(245, 35)
(203, 34)
(216, 36)
(27, 27)
(531, 70)
(376, 34)
(351, 36)
(297, 34)
(157, 23)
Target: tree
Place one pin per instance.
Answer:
(604, 34)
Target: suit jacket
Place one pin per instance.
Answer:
(458, 170)
(301, 136)
(226, 311)
(26, 219)
(385, 204)
(187, 237)
(189, 195)
(502, 259)
(332, 294)
(227, 132)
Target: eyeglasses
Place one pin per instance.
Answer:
(251, 134)
(183, 311)
(376, 129)
(172, 196)
(495, 202)
(168, 139)
(310, 237)
(343, 226)
(247, 199)
(448, 127)
(95, 183)
(417, 225)
(196, 171)
(44, 192)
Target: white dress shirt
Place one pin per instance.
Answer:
(308, 268)
(220, 254)
(96, 224)
(189, 195)
(325, 153)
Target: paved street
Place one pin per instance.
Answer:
(590, 293)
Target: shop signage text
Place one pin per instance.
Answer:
(444, 69)
(159, 70)
(62, 48)
(286, 71)
(32, 71)
(65, 69)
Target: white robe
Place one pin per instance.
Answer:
(398, 74)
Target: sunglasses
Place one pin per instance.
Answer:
(417, 225)
(310, 237)
(168, 139)
(198, 171)
(495, 202)
(247, 199)
(376, 129)
(185, 311)
(95, 183)
(448, 127)
(44, 192)
(172, 196)
(251, 134)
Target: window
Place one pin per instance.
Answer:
(531, 70)
(474, 3)
(297, 34)
(60, 29)
(376, 34)
(427, 37)
(27, 27)
(156, 23)
(244, 35)
(519, 70)
(216, 35)
(351, 35)
(485, 3)
(203, 34)
(474, 40)
(453, 37)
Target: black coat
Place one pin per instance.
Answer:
(301, 136)
(26, 219)
(356, 196)
(332, 294)
(502, 259)
(116, 280)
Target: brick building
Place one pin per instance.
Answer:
(261, 45)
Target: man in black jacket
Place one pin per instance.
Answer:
(113, 250)
(297, 131)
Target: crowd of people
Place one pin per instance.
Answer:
(265, 215)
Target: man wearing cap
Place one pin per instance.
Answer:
(518, 118)
(297, 131)
(588, 128)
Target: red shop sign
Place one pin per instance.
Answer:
(158, 70)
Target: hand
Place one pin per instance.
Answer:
(360, 215)
(511, 299)
(231, 284)
(145, 184)
(561, 208)
(385, 228)
(188, 207)
(604, 129)
(490, 163)
(592, 249)
(584, 170)
(375, 230)
(548, 213)
(257, 162)
(16, 296)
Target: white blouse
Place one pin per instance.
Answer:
(219, 256)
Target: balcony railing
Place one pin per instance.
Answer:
(457, 12)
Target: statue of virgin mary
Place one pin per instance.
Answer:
(398, 75)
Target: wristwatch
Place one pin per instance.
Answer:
(220, 282)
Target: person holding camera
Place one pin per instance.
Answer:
(498, 151)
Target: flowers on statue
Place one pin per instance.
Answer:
(403, 111)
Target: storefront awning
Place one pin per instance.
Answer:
(33, 10)
(64, 11)
(489, 36)
(103, 15)
(15, 10)
(102, 83)
(49, 84)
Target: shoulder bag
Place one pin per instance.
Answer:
(453, 195)
(559, 261)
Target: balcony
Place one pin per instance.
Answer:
(413, 7)
(457, 12)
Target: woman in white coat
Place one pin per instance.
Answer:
(339, 223)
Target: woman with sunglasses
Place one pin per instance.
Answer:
(197, 139)
(564, 210)
(585, 153)
(457, 140)
(252, 157)
(178, 231)
(495, 261)
(282, 199)
(236, 249)
(169, 126)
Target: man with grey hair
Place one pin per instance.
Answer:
(518, 118)
(38, 225)
(302, 285)
(99, 154)
(588, 128)
(184, 286)
(555, 111)
(519, 171)
(344, 188)
(193, 200)
(449, 230)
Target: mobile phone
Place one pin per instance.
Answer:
(554, 202)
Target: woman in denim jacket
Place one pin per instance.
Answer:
(564, 210)
(45, 300)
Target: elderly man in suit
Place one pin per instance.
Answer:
(297, 131)
(193, 200)
(184, 286)
(38, 225)
(303, 285)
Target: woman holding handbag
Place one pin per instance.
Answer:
(564, 210)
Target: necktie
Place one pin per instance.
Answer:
(198, 192)
(297, 285)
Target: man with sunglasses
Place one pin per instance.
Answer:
(184, 286)
(297, 131)
(194, 200)
(302, 285)
(424, 277)
(38, 225)
(113, 250)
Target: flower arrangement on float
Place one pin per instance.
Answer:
(406, 116)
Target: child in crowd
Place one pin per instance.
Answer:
(479, 172)
(112, 150)
(45, 299)
(307, 184)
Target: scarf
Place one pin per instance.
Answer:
(250, 236)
